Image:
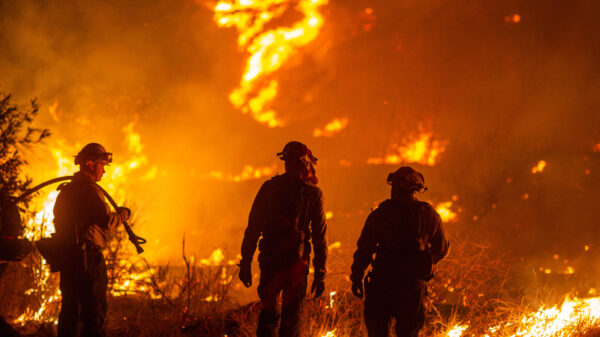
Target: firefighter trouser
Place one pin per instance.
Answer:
(290, 280)
(403, 301)
(83, 287)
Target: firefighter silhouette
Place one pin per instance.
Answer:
(288, 213)
(407, 238)
(82, 218)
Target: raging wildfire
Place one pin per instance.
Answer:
(495, 103)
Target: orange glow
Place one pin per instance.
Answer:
(329, 334)
(268, 49)
(248, 173)
(574, 316)
(515, 18)
(333, 127)
(53, 111)
(42, 225)
(215, 258)
(422, 149)
(457, 331)
(596, 148)
(444, 210)
(539, 167)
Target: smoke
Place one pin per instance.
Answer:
(502, 95)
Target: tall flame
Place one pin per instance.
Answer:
(268, 49)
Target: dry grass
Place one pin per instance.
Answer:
(200, 300)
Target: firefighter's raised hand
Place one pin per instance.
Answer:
(357, 288)
(318, 287)
(245, 274)
(124, 213)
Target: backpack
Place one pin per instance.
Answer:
(405, 246)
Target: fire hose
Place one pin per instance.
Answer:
(137, 241)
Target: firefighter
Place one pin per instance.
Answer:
(288, 213)
(82, 219)
(407, 238)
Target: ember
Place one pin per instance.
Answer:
(539, 167)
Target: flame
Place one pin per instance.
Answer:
(443, 209)
(248, 173)
(329, 333)
(331, 300)
(539, 167)
(333, 127)
(422, 149)
(574, 315)
(596, 148)
(457, 331)
(215, 258)
(335, 245)
(268, 49)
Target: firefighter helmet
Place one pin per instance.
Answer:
(407, 178)
(294, 150)
(93, 152)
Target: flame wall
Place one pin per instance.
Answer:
(500, 86)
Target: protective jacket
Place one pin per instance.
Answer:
(288, 213)
(81, 214)
(400, 234)
(82, 219)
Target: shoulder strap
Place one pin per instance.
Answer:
(423, 243)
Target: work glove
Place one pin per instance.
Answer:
(318, 287)
(357, 288)
(124, 213)
(245, 274)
